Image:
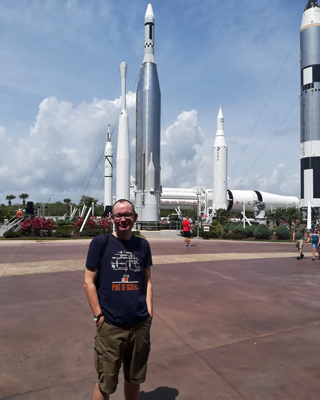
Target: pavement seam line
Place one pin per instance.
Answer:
(14, 269)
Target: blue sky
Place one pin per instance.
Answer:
(60, 88)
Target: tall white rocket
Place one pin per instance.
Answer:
(148, 113)
(108, 174)
(123, 152)
(220, 150)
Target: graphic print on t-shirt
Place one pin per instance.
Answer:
(126, 261)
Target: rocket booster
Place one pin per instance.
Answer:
(310, 105)
(148, 111)
(220, 166)
(123, 149)
(108, 174)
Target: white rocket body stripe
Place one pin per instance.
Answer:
(108, 172)
(220, 166)
(123, 149)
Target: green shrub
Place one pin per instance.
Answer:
(283, 233)
(249, 229)
(225, 236)
(236, 236)
(61, 222)
(262, 232)
(90, 232)
(239, 229)
(63, 232)
(12, 234)
(209, 235)
(228, 227)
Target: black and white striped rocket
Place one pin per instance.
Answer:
(148, 111)
(310, 105)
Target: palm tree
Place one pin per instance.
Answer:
(9, 198)
(222, 217)
(292, 214)
(67, 201)
(23, 196)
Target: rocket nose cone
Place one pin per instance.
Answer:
(149, 12)
(220, 115)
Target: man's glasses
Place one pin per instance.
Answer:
(117, 217)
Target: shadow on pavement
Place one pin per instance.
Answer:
(161, 393)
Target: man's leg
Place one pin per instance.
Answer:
(131, 391)
(98, 395)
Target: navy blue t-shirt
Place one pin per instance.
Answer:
(121, 277)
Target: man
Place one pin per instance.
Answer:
(186, 231)
(121, 303)
(300, 236)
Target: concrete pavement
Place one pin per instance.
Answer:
(233, 320)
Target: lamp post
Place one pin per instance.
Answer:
(198, 213)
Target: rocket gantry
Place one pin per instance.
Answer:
(310, 105)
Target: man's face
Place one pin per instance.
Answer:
(123, 224)
(298, 222)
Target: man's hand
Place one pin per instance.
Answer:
(100, 322)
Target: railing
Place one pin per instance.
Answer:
(158, 226)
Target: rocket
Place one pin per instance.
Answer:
(108, 173)
(123, 149)
(148, 111)
(310, 106)
(220, 150)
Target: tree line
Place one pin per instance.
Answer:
(58, 208)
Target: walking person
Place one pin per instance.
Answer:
(315, 237)
(187, 231)
(121, 302)
(300, 236)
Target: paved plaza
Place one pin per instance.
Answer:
(233, 320)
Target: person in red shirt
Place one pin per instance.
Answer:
(186, 231)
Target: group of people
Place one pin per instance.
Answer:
(301, 236)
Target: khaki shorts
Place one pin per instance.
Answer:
(299, 243)
(114, 345)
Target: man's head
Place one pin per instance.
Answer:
(123, 216)
(187, 217)
(298, 222)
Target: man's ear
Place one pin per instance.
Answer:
(135, 217)
(111, 217)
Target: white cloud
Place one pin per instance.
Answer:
(62, 148)
(179, 150)
(281, 181)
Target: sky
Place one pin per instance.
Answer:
(60, 88)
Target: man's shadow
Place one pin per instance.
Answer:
(161, 393)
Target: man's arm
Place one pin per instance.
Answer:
(148, 290)
(91, 291)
